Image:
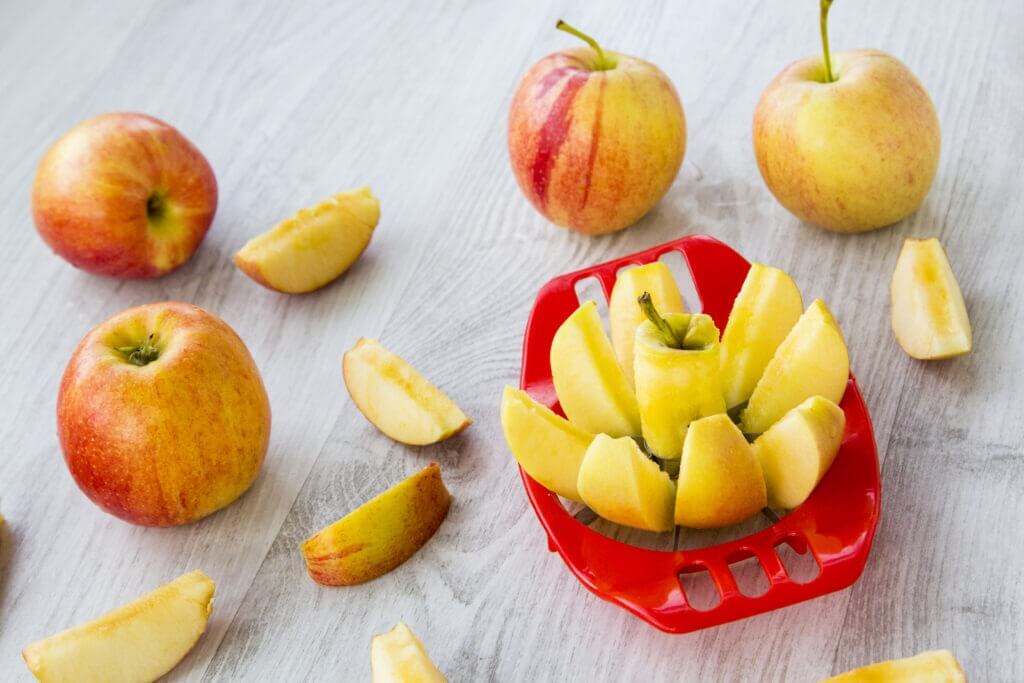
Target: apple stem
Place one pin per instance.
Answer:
(826, 5)
(602, 62)
(141, 354)
(668, 336)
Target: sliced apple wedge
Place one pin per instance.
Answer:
(811, 361)
(140, 641)
(796, 452)
(396, 398)
(935, 666)
(624, 315)
(315, 246)
(398, 656)
(763, 313)
(548, 447)
(929, 317)
(380, 534)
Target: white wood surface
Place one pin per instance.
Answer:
(291, 102)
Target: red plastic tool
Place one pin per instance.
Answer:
(837, 523)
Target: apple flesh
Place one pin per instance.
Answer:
(398, 656)
(315, 246)
(929, 317)
(625, 315)
(140, 641)
(162, 415)
(935, 666)
(124, 195)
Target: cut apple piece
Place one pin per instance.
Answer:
(811, 361)
(397, 399)
(929, 317)
(398, 656)
(621, 484)
(796, 452)
(590, 384)
(381, 534)
(140, 641)
(763, 313)
(720, 480)
(547, 446)
(313, 247)
(935, 666)
(624, 315)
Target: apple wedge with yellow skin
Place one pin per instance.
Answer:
(140, 641)
(548, 447)
(380, 534)
(929, 317)
(934, 666)
(796, 452)
(811, 361)
(590, 384)
(624, 315)
(720, 480)
(398, 656)
(764, 312)
(315, 246)
(621, 484)
(397, 399)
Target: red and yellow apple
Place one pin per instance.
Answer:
(162, 415)
(124, 195)
(595, 137)
(934, 666)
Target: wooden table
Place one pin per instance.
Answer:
(292, 103)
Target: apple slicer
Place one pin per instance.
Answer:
(836, 524)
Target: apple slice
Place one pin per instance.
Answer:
(935, 666)
(140, 641)
(763, 313)
(625, 315)
(621, 484)
(796, 452)
(396, 398)
(929, 317)
(398, 656)
(811, 361)
(315, 246)
(590, 384)
(547, 446)
(720, 480)
(380, 534)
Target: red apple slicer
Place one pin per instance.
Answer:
(836, 524)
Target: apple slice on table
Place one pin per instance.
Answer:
(398, 656)
(397, 399)
(590, 384)
(811, 361)
(625, 315)
(547, 446)
(796, 452)
(763, 313)
(720, 480)
(140, 641)
(935, 666)
(315, 246)
(380, 534)
(929, 317)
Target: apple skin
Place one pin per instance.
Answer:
(172, 441)
(852, 155)
(124, 195)
(594, 150)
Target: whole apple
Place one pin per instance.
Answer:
(162, 415)
(595, 137)
(124, 195)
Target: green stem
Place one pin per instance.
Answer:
(141, 354)
(668, 336)
(826, 5)
(602, 62)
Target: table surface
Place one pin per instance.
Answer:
(292, 103)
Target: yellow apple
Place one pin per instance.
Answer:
(139, 641)
(315, 246)
(763, 313)
(625, 315)
(398, 656)
(796, 452)
(380, 534)
(935, 666)
(720, 480)
(547, 446)
(590, 384)
(396, 398)
(620, 483)
(811, 361)
(929, 317)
